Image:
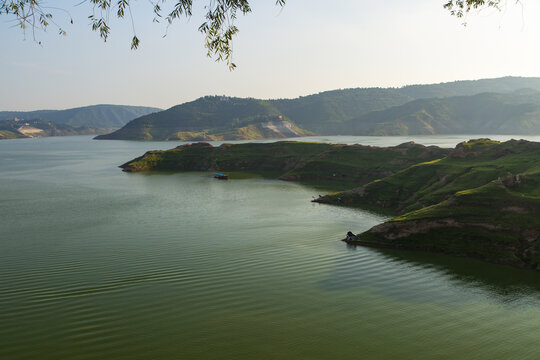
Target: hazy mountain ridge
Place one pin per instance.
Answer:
(486, 113)
(323, 112)
(471, 87)
(95, 116)
(361, 111)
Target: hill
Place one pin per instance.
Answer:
(334, 166)
(95, 116)
(469, 165)
(485, 197)
(328, 112)
(14, 129)
(323, 113)
(211, 118)
(488, 113)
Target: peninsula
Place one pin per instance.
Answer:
(329, 165)
(479, 200)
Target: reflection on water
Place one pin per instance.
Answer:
(426, 277)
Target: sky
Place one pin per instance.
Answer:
(306, 47)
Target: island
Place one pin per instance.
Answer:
(480, 199)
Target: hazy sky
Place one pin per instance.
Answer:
(307, 47)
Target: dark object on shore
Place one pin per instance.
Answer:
(221, 176)
(351, 238)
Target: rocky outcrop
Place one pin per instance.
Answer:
(496, 243)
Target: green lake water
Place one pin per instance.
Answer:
(100, 264)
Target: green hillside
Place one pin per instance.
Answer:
(469, 165)
(324, 112)
(487, 113)
(482, 201)
(95, 116)
(211, 118)
(496, 222)
(334, 166)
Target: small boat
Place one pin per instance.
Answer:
(221, 176)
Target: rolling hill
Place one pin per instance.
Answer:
(488, 113)
(333, 165)
(324, 113)
(482, 201)
(211, 118)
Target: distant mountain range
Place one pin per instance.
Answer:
(508, 105)
(95, 116)
(321, 113)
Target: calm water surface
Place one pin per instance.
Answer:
(100, 264)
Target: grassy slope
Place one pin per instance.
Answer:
(497, 222)
(488, 208)
(470, 165)
(335, 166)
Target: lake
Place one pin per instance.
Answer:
(100, 264)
